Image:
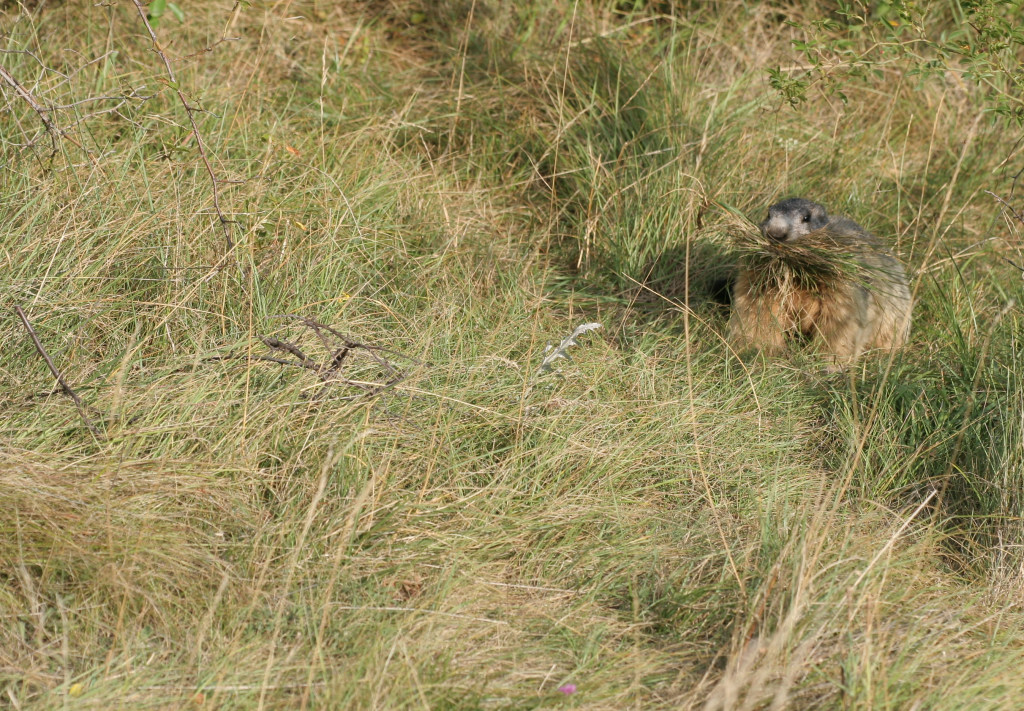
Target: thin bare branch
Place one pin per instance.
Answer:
(225, 223)
(56, 373)
(266, 359)
(119, 99)
(51, 128)
(205, 50)
(1008, 206)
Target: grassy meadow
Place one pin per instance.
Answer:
(329, 463)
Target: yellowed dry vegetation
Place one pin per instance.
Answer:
(462, 183)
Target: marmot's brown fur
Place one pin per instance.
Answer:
(822, 277)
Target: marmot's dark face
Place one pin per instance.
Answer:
(793, 218)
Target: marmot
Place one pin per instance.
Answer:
(825, 278)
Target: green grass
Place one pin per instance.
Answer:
(655, 521)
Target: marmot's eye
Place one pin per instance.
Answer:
(807, 217)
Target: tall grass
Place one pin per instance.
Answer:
(654, 521)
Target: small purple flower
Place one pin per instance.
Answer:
(567, 689)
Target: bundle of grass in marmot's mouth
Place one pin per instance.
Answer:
(822, 258)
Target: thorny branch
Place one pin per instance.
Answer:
(56, 373)
(225, 223)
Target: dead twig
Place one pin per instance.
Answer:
(339, 349)
(120, 99)
(266, 359)
(1019, 216)
(47, 112)
(315, 325)
(56, 373)
(287, 347)
(52, 130)
(225, 223)
(206, 50)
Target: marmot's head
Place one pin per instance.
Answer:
(793, 218)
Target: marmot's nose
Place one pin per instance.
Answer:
(776, 231)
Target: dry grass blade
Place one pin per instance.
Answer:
(311, 518)
(823, 257)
